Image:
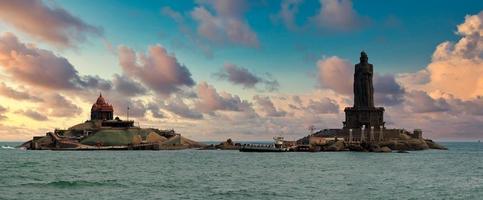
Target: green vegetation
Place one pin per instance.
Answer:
(114, 137)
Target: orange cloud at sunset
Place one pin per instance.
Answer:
(457, 68)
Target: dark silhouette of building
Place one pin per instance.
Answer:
(363, 113)
(101, 110)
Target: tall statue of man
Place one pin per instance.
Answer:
(363, 88)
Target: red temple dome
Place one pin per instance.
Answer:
(100, 100)
(101, 105)
(101, 110)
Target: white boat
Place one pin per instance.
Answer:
(277, 146)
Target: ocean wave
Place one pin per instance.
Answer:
(77, 184)
(7, 147)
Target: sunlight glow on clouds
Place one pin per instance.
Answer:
(157, 69)
(51, 24)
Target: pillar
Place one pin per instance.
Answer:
(371, 136)
(381, 134)
(362, 134)
(350, 136)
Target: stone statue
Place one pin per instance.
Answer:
(363, 88)
(363, 113)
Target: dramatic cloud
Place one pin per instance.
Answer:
(414, 80)
(33, 115)
(338, 15)
(178, 107)
(127, 86)
(210, 100)
(48, 23)
(241, 76)
(57, 105)
(449, 89)
(316, 108)
(323, 106)
(456, 68)
(137, 108)
(41, 68)
(387, 91)
(421, 102)
(238, 75)
(470, 107)
(15, 94)
(96, 82)
(225, 24)
(157, 69)
(441, 118)
(336, 74)
(266, 106)
(155, 110)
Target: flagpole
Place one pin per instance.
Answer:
(127, 112)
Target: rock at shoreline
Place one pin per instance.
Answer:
(417, 144)
(227, 145)
(433, 145)
(407, 145)
(354, 147)
(385, 149)
(336, 146)
(372, 147)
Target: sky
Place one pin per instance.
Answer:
(246, 70)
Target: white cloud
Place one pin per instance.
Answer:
(225, 24)
(338, 15)
(241, 76)
(287, 13)
(210, 100)
(42, 68)
(267, 108)
(336, 74)
(157, 69)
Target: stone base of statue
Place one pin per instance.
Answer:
(358, 117)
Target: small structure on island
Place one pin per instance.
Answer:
(103, 132)
(363, 119)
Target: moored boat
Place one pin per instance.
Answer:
(277, 146)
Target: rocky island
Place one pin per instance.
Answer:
(364, 127)
(102, 132)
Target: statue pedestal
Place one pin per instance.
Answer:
(357, 117)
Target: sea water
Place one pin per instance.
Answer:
(210, 174)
